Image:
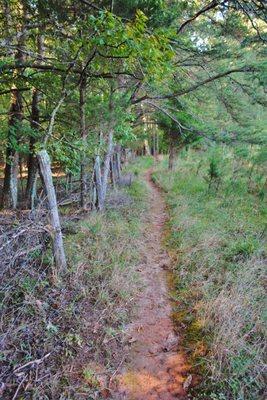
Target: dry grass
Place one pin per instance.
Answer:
(234, 319)
(62, 339)
(218, 237)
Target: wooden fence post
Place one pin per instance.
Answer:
(57, 240)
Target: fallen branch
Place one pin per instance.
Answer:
(18, 388)
(31, 363)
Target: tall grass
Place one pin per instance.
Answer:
(217, 242)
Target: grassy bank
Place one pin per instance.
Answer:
(62, 339)
(216, 238)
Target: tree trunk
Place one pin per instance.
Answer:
(57, 239)
(146, 148)
(112, 171)
(32, 162)
(35, 125)
(10, 188)
(98, 183)
(157, 143)
(172, 154)
(154, 144)
(117, 162)
(83, 132)
(69, 182)
(107, 166)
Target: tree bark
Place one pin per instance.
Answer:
(112, 171)
(154, 144)
(83, 132)
(107, 166)
(98, 183)
(172, 152)
(146, 148)
(35, 125)
(9, 197)
(57, 239)
(32, 162)
(117, 162)
(101, 180)
(10, 188)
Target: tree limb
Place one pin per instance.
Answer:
(12, 90)
(213, 4)
(194, 87)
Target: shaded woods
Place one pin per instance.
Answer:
(86, 89)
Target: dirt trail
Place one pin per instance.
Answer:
(157, 368)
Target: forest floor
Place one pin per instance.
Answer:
(157, 367)
(162, 299)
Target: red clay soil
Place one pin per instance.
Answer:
(157, 367)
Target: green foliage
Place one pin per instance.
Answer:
(214, 171)
(135, 45)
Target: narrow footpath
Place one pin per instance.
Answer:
(156, 367)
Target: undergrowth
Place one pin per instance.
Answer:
(216, 239)
(63, 339)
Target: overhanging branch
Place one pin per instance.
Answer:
(194, 87)
(213, 4)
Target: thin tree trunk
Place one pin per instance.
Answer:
(112, 171)
(117, 162)
(83, 131)
(98, 182)
(69, 182)
(10, 188)
(172, 153)
(157, 143)
(21, 161)
(35, 125)
(154, 144)
(32, 162)
(102, 180)
(107, 166)
(57, 240)
(146, 148)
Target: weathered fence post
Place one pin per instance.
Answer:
(57, 240)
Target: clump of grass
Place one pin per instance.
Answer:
(217, 238)
(140, 164)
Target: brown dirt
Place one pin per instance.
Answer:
(157, 367)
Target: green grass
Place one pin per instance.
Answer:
(217, 239)
(140, 164)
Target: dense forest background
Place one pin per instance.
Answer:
(87, 87)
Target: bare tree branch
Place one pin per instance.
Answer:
(196, 86)
(254, 26)
(89, 4)
(213, 4)
(12, 90)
